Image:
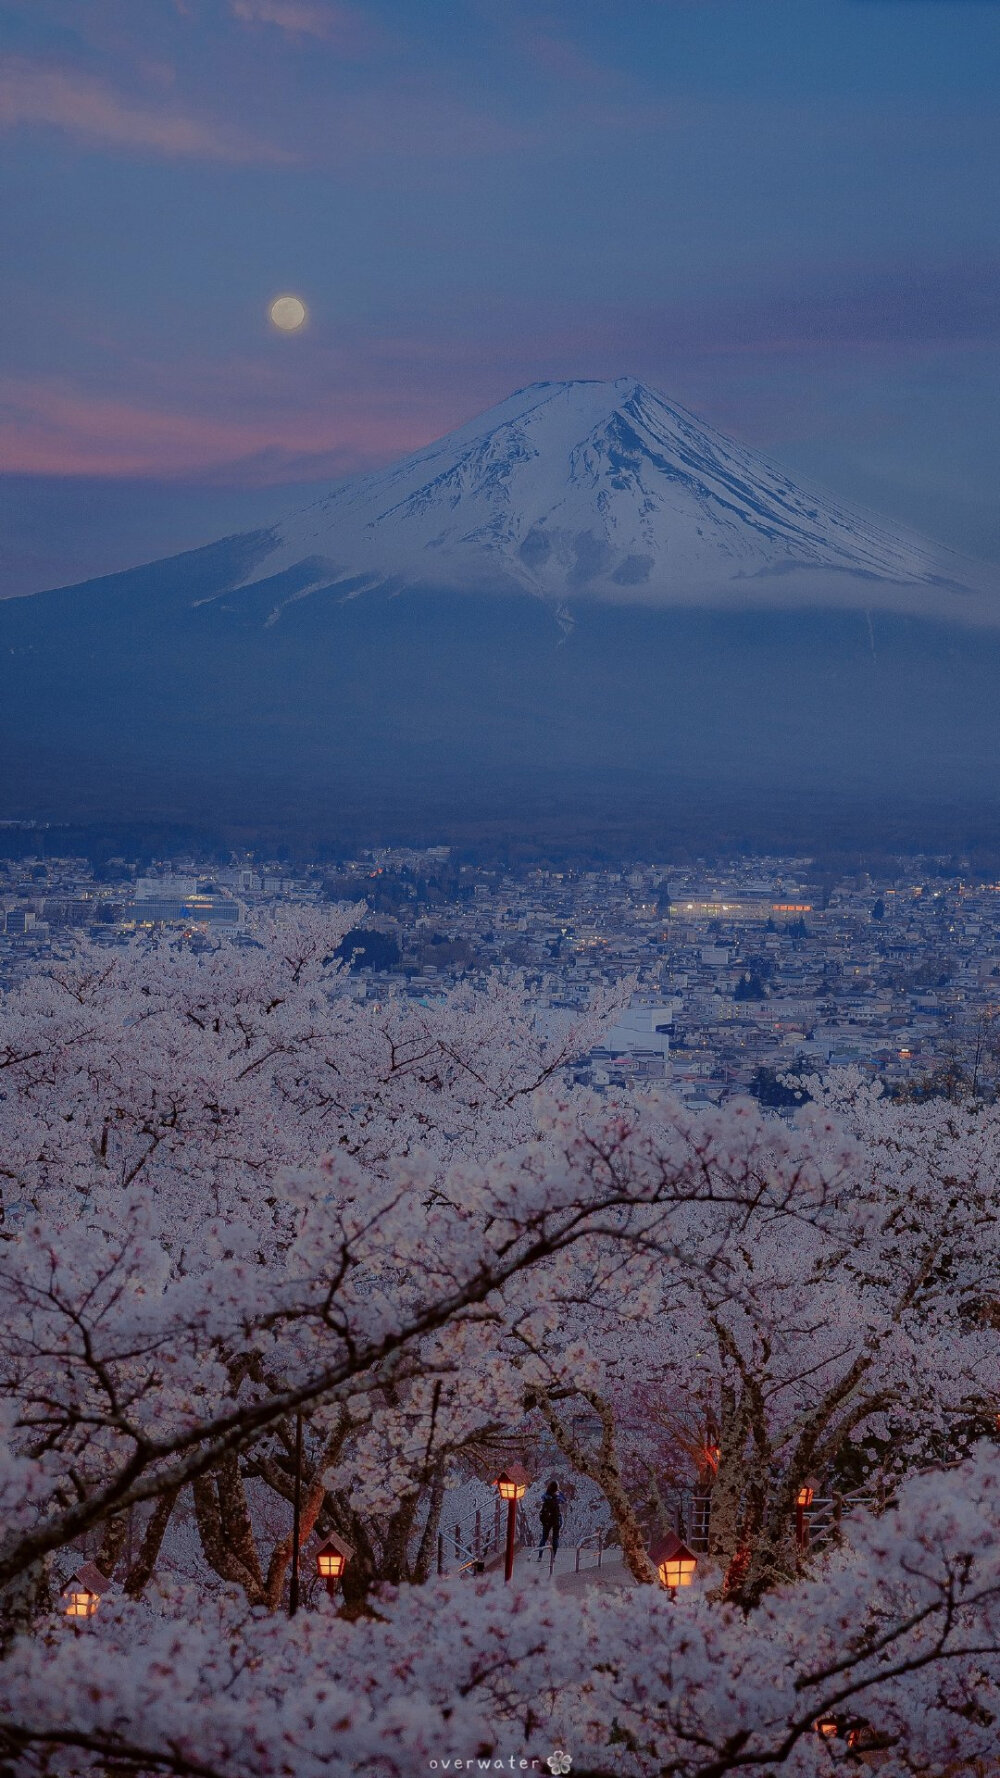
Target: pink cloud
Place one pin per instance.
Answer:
(53, 428)
(330, 407)
(79, 103)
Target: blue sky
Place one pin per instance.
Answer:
(782, 212)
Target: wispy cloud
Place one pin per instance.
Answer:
(55, 427)
(330, 23)
(356, 397)
(82, 105)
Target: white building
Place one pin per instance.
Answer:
(173, 888)
(643, 1028)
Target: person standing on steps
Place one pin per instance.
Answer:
(551, 1518)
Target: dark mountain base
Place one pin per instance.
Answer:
(421, 716)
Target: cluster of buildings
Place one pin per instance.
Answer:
(743, 977)
(44, 900)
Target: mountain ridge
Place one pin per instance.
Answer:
(594, 489)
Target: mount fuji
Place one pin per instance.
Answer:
(584, 613)
(606, 490)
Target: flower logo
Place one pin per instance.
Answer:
(559, 1762)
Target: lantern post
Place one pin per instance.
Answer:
(674, 1562)
(804, 1498)
(332, 1558)
(511, 1486)
(83, 1590)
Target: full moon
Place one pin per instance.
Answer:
(287, 313)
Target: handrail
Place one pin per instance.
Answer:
(493, 1547)
(585, 1542)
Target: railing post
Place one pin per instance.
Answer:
(477, 1547)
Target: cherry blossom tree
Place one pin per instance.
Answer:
(164, 1093)
(894, 1647)
(233, 1195)
(851, 1337)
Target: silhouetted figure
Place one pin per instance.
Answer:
(551, 1518)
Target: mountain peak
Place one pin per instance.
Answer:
(599, 689)
(605, 489)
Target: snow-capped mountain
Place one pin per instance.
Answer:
(605, 489)
(584, 613)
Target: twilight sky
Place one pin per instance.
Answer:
(781, 212)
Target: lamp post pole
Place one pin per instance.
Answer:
(508, 1560)
(293, 1584)
(511, 1486)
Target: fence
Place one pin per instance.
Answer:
(487, 1549)
(692, 1515)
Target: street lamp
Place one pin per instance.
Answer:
(674, 1562)
(511, 1486)
(803, 1501)
(332, 1558)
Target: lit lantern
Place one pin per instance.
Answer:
(805, 1496)
(332, 1558)
(511, 1485)
(674, 1562)
(81, 1603)
(83, 1589)
(513, 1482)
(825, 1727)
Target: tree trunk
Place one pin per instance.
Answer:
(23, 1602)
(226, 1534)
(141, 1572)
(313, 1497)
(281, 1555)
(362, 1572)
(236, 1522)
(428, 1541)
(602, 1467)
(773, 1554)
(397, 1539)
(113, 1541)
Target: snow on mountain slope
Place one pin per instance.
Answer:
(606, 490)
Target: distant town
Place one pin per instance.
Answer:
(744, 978)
